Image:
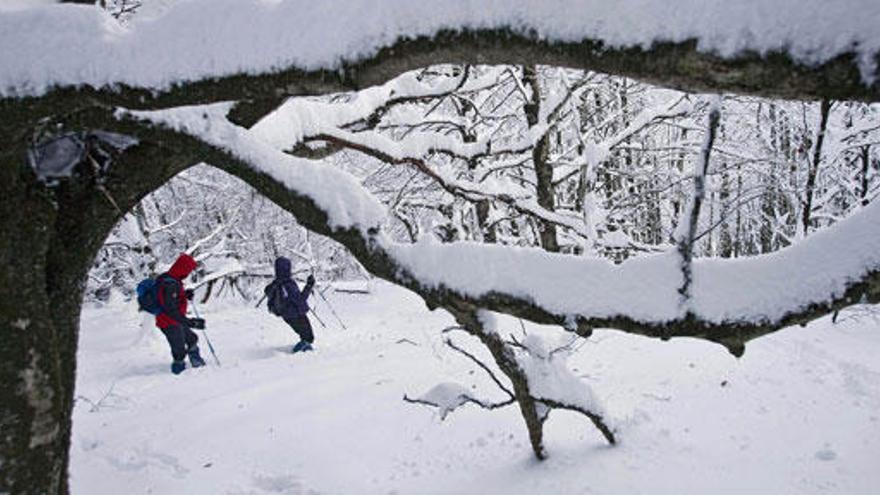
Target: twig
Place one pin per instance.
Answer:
(465, 398)
(481, 365)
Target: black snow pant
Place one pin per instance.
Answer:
(181, 339)
(302, 327)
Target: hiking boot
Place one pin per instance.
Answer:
(302, 346)
(195, 359)
(177, 367)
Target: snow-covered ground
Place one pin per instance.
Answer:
(799, 413)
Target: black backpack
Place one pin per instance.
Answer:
(275, 300)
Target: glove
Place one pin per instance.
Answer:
(310, 280)
(190, 293)
(197, 323)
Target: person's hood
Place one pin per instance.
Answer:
(282, 268)
(182, 267)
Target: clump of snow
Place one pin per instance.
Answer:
(40, 397)
(616, 239)
(447, 397)
(549, 377)
(488, 320)
(189, 40)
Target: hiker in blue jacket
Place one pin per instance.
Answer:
(286, 300)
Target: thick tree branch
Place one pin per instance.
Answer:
(675, 65)
(375, 257)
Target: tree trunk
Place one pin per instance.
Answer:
(824, 110)
(540, 157)
(504, 357)
(36, 396)
(865, 154)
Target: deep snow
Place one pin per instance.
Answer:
(799, 413)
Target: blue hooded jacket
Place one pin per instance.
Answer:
(296, 305)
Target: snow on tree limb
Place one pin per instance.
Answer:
(447, 397)
(553, 384)
(344, 201)
(193, 54)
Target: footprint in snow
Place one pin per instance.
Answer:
(826, 454)
(278, 484)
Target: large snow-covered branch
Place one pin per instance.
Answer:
(299, 118)
(205, 50)
(337, 193)
(732, 301)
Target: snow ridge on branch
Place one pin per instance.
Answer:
(194, 40)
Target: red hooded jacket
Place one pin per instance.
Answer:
(182, 267)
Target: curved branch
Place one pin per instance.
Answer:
(611, 296)
(678, 65)
(597, 419)
(464, 399)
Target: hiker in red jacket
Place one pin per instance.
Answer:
(173, 321)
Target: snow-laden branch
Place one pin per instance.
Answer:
(299, 118)
(202, 51)
(336, 193)
(195, 39)
(731, 301)
(553, 384)
(447, 397)
(539, 378)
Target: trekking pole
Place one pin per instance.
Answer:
(317, 318)
(331, 308)
(205, 332)
(312, 270)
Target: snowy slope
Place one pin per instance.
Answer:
(194, 39)
(799, 414)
